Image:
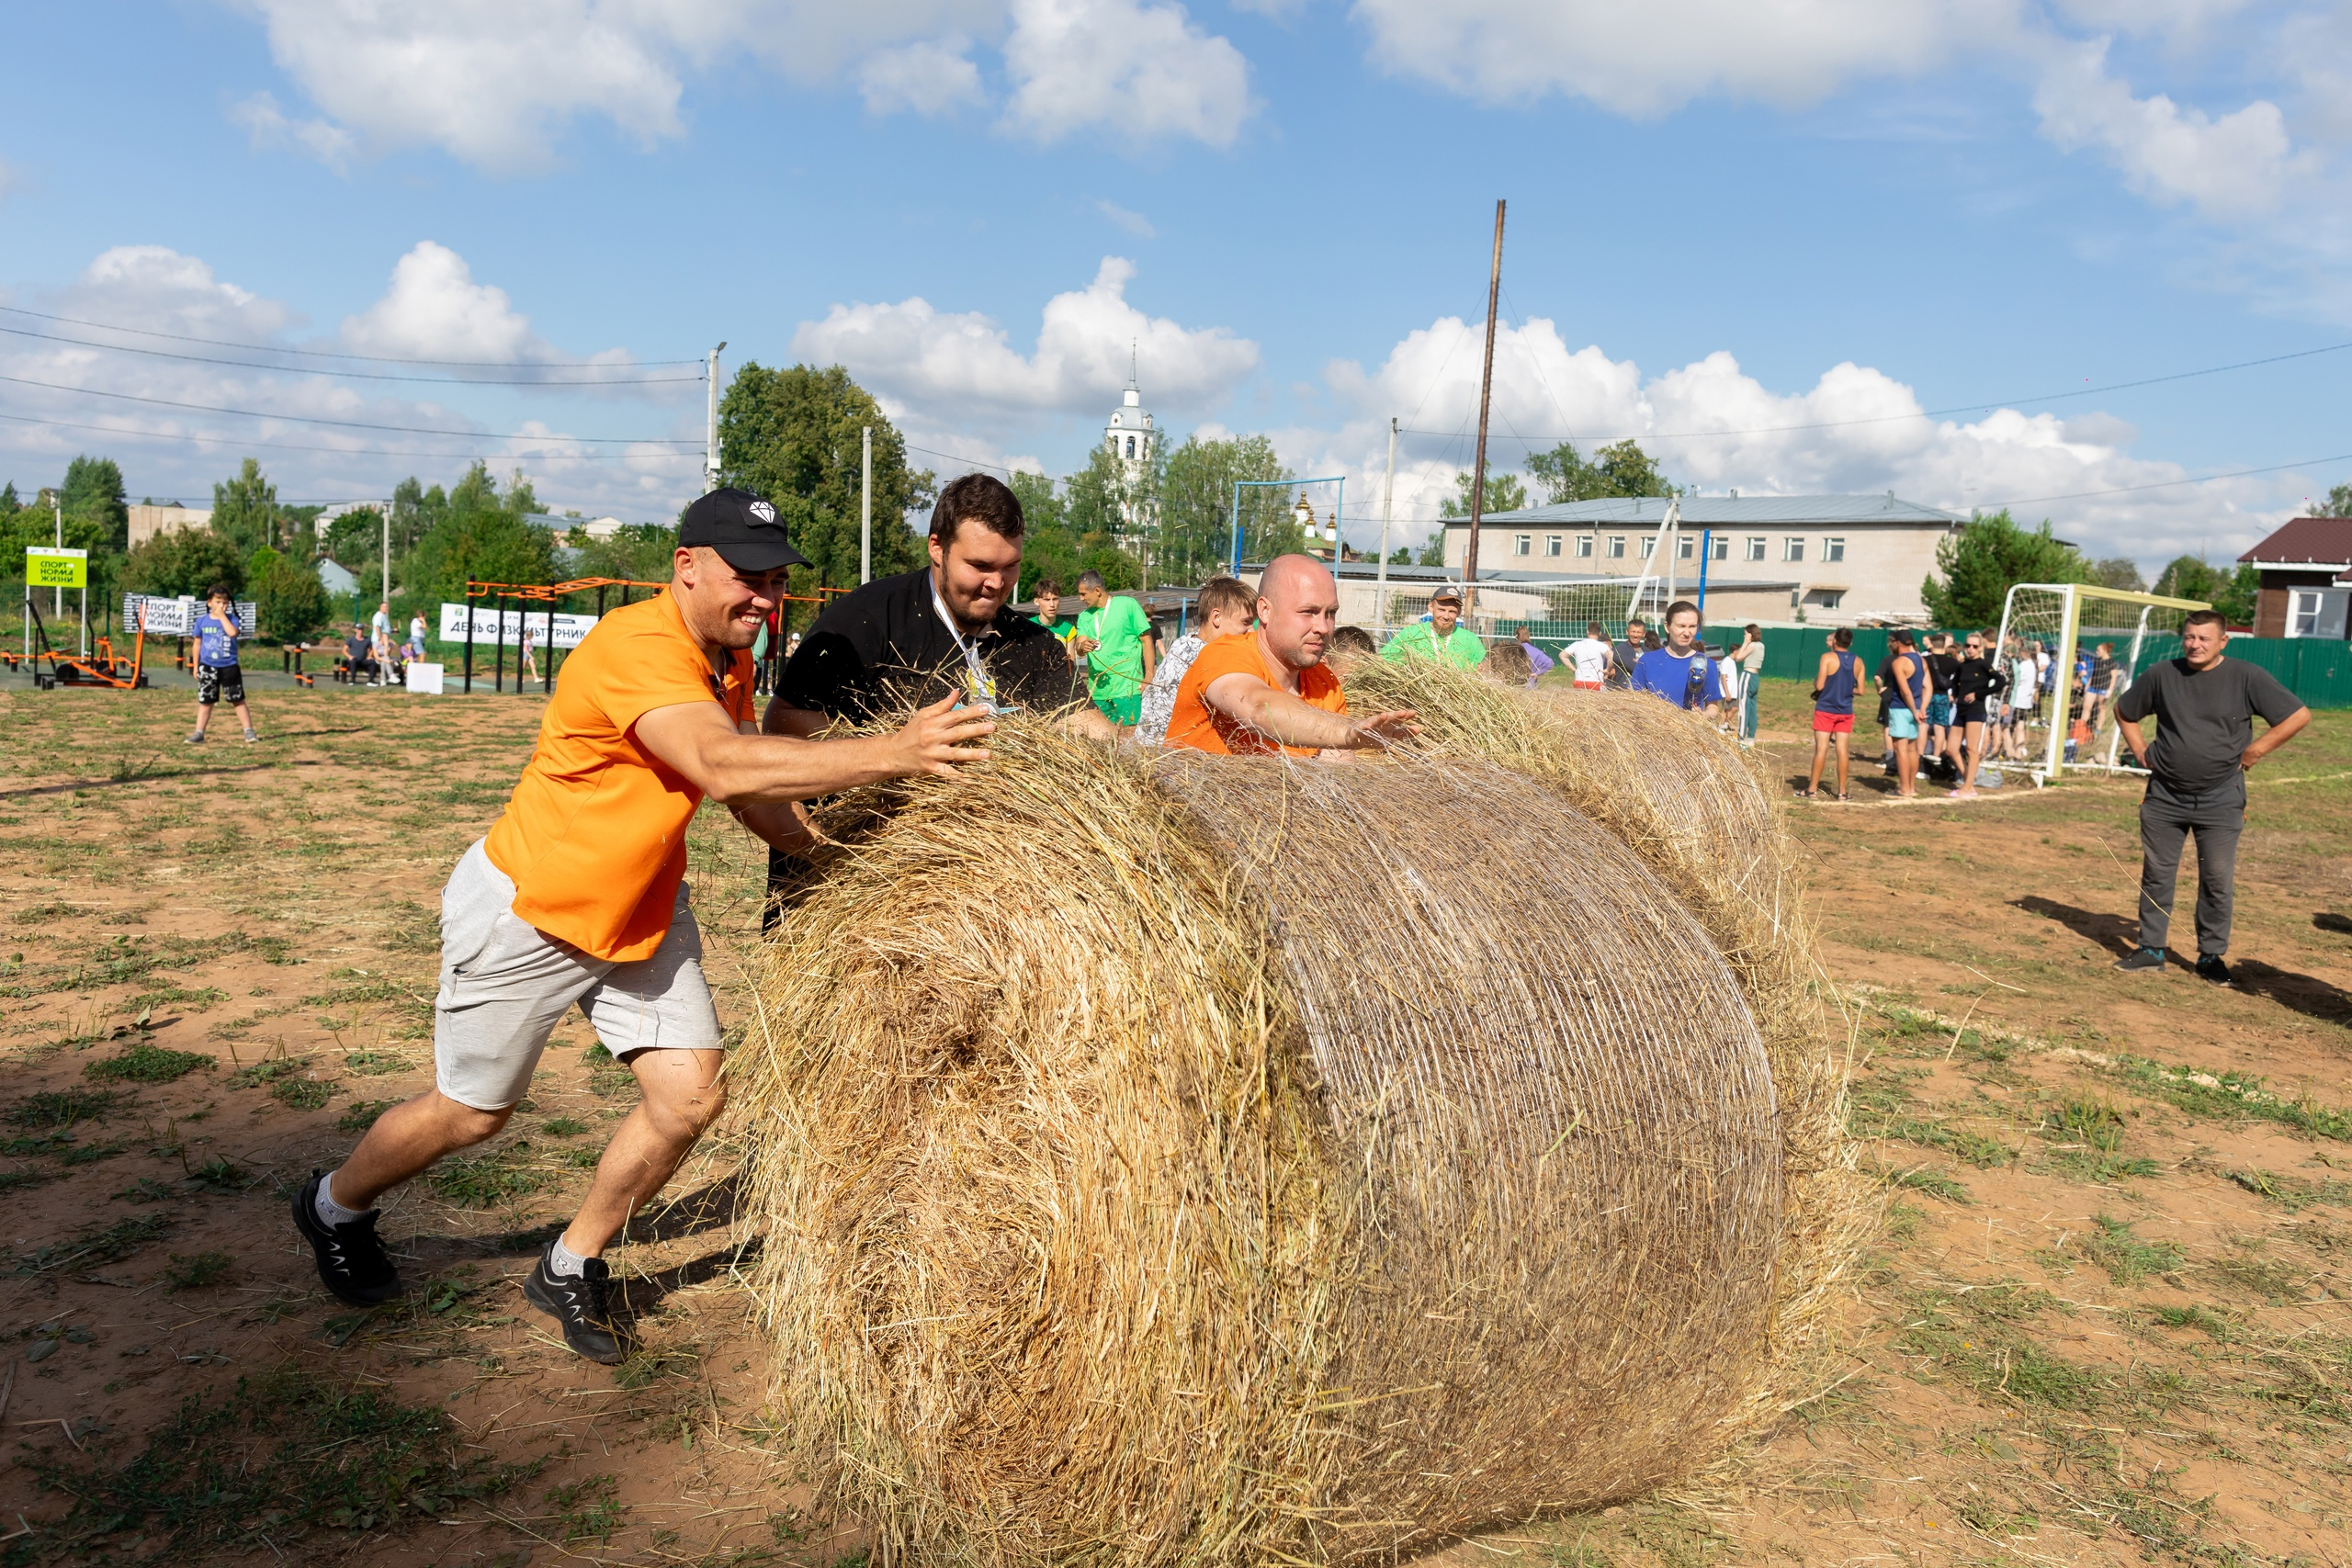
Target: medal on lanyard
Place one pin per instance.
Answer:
(981, 684)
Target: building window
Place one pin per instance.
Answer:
(1833, 549)
(1131, 446)
(1551, 544)
(1522, 544)
(1683, 546)
(1754, 548)
(1584, 547)
(1616, 547)
(1722, 550)
(1793, 547)
(1831, 599)
(1649, 545)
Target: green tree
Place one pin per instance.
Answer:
(2231, 593)
(1403, 556)
(1505, 492)
(245, 509)
(93, 489)
(356, 541)
(1195, 539)
(792, 435)
(1432, 550)
(2337, 505)
(183, 560)
(9, 504)
(1978, 563)
(480, 537)
(2117, 571)
(1074, 528)
(636, 552)
(1621, 470)
(289, 599)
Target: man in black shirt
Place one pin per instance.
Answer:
(912, 638)
(2204, 706)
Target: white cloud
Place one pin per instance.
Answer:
(2240, 165)
(269, 127)
(1855, 430)
(1142, 69)
(1647, 60)
(960, 369)
(1135, 223)
(435, 309)
(931, 77)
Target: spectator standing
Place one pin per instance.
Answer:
(379, 627)
(1048, 600)
(527, 668)
(1591, 661)
(1906, 715)
(1976, 683)
(416, 653)
(1626, 654)
(1681, 673)
(1225, 607)
(1942, 664)
(1441, 637)
(2025, 700)
(218, 673)
(2204, 706)
(1749, 655)
(2105, 682)
(1834, 681)
(1538, 662)
(1114, 638)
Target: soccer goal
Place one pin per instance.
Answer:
(2097, 640)
(1558, 607)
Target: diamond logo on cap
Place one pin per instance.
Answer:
(763, 511)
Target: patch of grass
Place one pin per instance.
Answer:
(2232, 1095)
(146, 1062)
(486, 1182)
(2198, 1317)
(302, 1094)
(2274, 1281)
(62, 1107)
(359, 987)
(375, 1064)
(89, 1154)
(1934, 1183)
(97, 1245)
(287, 1455)
(146, 1190)
(177, 997)
(2293, 1192)
(193, 1272)
(11, 1180)
(2126, 1257)
(563, 1126)
(43, 914)
(1977, 1336)
(410, 927)
(219, 1176)
(282, 1077)
(360, 1114)
(588, 1508)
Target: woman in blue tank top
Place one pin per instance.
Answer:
(1834, 683)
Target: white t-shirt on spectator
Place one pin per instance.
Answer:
(1590, 657)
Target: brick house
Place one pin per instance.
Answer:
(2306, 572)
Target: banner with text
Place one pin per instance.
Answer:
(177, 617)
(48, 566)
(488, 627)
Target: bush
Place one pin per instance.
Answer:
(185, 560)
(291, 601)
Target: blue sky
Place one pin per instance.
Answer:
(1760, 236)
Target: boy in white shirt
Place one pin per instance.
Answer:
(1590, 656)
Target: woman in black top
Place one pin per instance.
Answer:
(1975, 679)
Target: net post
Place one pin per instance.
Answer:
(2061, 711)
(2131, 673)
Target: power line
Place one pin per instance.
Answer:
(242, 444)
(352, 375)
(2168, 484)
(1935, 413)
(300, 352)
(956, 458)
(342, 423)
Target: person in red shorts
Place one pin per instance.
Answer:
(1834, 683)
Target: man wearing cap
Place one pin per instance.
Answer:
(577, 897)
(1442, 635)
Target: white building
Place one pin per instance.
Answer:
(1129, 437)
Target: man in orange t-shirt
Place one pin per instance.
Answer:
(577, 897)
(1263, 690)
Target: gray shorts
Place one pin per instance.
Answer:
(505, 985)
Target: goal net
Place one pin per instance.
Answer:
(2084, 643)
(1558, 609)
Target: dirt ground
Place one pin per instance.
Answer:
(2104, 1321)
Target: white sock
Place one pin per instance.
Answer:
(564, 1263)
(331, 1212)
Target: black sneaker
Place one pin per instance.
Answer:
(2209, 966)
(2144, 958)
(352, 1263)
(579, 1303)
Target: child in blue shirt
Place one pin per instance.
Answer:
(218, 674)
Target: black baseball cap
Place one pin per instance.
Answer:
(743, 528)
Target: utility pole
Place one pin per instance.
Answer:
(710, 427)
(387, 552)
(57, 512)
(865, 513)
(1388, 509)
(1485, 394)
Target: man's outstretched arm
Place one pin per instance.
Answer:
(734, 768)
(1287, 721)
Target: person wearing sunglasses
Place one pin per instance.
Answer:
(1976, 681)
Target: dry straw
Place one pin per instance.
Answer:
(1208, 1161)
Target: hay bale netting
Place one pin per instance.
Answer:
(1226, 1162)
(1703, 814)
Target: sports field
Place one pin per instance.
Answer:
(2102, 1325)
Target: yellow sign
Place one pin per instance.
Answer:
(46, 565)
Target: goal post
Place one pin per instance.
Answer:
(2098, 641)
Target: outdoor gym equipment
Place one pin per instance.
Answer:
(104, 668)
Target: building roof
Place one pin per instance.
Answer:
(2306, 541)
(1730, 510)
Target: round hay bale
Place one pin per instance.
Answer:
(1222, 1162)
(1700, 813)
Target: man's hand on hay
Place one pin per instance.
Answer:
(746, 768)
(1388, 728)
(941, 736)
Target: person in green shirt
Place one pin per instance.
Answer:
(1442, 635)
(1114, 638)
(1048, 600)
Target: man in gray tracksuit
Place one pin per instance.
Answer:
(2204, 706)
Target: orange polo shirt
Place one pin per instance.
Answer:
(1195, 724)
(594, 835)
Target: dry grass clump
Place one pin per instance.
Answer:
(1684, 797)
(1217, 1161)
